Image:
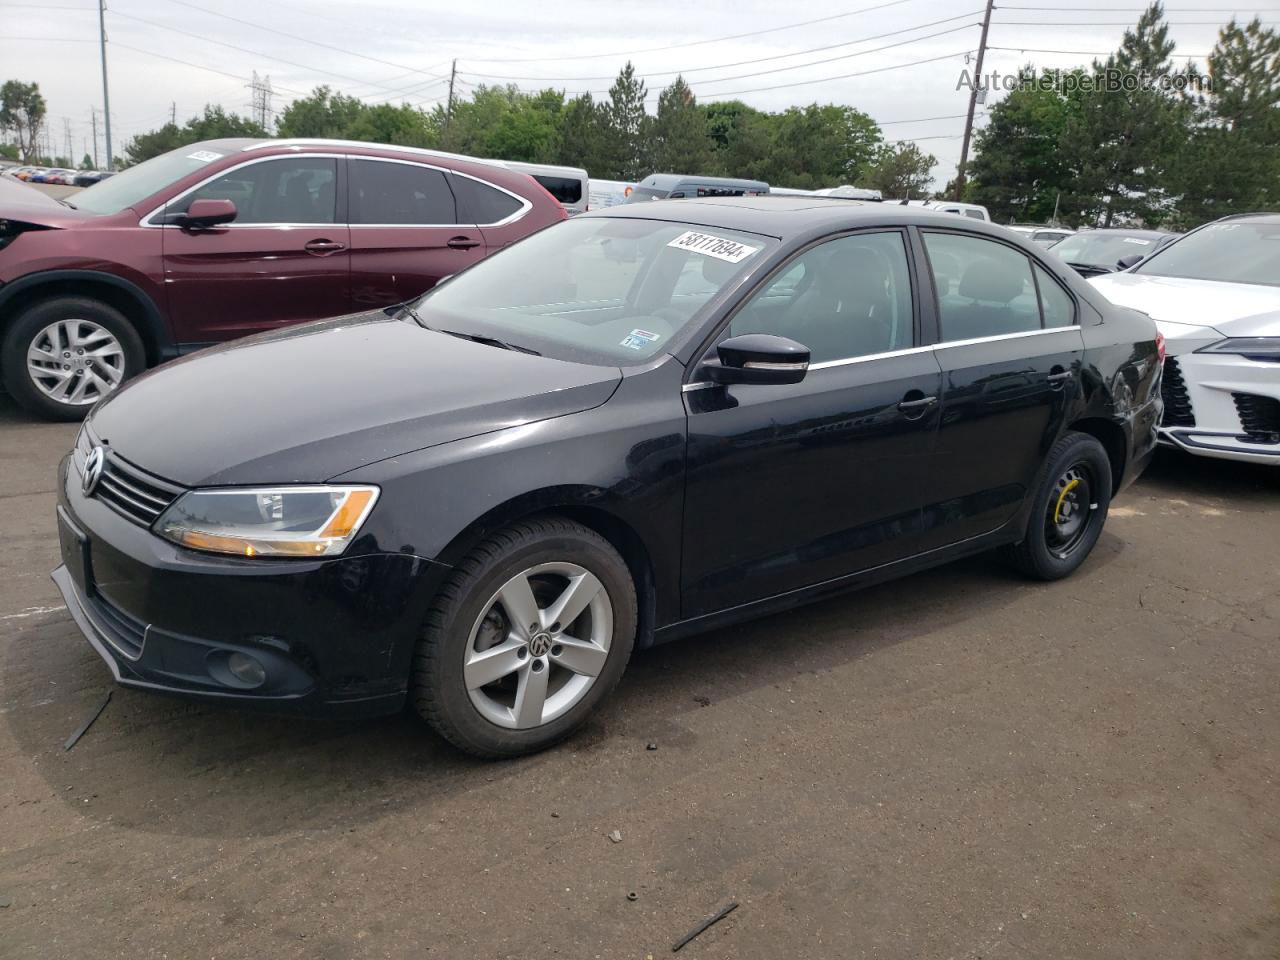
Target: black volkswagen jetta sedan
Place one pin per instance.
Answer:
(631, 426)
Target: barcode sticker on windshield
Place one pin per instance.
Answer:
(204, 156)
(1137, 241)
(730, 251)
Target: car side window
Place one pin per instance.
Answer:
(398, 193)
(1059, 309)
(845, 298)
(985, 289)
(288, 190)
(482, 203)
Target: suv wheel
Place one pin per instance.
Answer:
(61, 356)
(1068, 511)
(528, 635)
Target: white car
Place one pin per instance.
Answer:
(1215, 295)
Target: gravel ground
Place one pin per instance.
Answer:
(956, 765)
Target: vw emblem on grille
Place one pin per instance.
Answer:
(93, 465)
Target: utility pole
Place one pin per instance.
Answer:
(448, 112)
(173, 112)
(973, 103)
(66, 140)
(106, 97)
(93, 119)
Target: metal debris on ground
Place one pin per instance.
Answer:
(720, 915)
(615, 836)
(651, 745)
(75, 737)
(633, 896)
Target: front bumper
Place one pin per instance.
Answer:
(1211, 424)
(331, 635)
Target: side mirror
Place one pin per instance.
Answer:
(758, 358)
(1124, 263)
(209, 213)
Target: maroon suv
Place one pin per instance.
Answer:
(224, 238)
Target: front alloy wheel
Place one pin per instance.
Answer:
(75, 362)
(529, 633)
(539, 646)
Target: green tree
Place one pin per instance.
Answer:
(1124, 144)
(678, 134)
(821, 146)
(86, 162)
(627, 127)
(901, 171)
(325, 114)
(1020, 165)
(1232, 161)
(9, 151)
(22, 111)
(740, 139)
(580, 141)
(214, 124)
(403, 125)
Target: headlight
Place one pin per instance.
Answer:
(1254, 348)
(315, 521)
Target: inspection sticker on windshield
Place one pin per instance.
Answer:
(639, 339)
(204, 156)
(1141, 243)
(730, 251)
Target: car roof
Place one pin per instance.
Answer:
(1128, 232)
(1265, 217)
(784, 217)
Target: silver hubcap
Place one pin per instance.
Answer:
(539, 645)
(76, 362)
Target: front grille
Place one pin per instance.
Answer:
(123, 631)
(1177, 402)
(132, 492)
(1260, 417)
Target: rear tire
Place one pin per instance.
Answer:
(496, 673)
(83, 351)
(1068, 511)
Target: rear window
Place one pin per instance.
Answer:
(564, 189)
(399, 193)
(482, 203)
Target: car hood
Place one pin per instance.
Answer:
(1184, 307)
(29, 205)
(307, 403)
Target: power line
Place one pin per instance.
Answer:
(197, 66)
(1086, 53)
(738, 63)
(843, 76)
(232, 46)
(314, 43)
(1112, 23)
(692, 43)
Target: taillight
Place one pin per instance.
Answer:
(1160, 347)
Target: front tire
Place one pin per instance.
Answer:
(1068, 511)
(531, 631)
(62, 355)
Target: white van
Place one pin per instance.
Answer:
(569, 185)
(609, 193)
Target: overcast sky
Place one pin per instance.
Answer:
(401, 50)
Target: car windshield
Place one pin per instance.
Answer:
(1102, 249)
(607, 291)
(1239, 251)
(640, 194)
(132, 186)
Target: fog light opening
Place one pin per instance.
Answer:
(247, 670)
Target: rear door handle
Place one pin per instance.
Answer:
(916, 408)
(322, 248)
(1058, 377)
(462, 243)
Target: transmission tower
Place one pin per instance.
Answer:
(260, 108)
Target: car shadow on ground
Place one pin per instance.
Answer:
(1173, 472)
(218, 771)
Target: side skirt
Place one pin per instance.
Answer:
(1009, 533)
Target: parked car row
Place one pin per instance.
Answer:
(634, 425)
(58, 175)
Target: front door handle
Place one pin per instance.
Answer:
(322, 248)
(915, 409)
(1057, 377)
(462, 243)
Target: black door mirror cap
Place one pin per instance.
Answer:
(1132, 260)
(760, 358)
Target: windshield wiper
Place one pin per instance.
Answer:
(488, 341)
(67, 203)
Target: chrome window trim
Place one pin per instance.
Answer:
(525, 205)
(945, 344)
(888, 354)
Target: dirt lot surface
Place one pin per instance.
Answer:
(956, 765)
